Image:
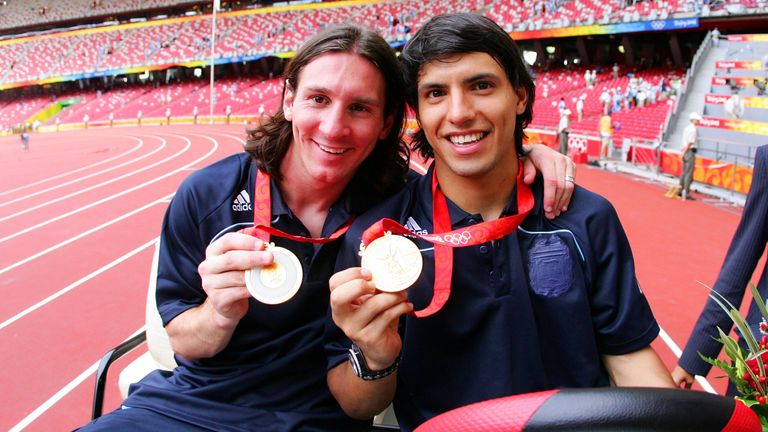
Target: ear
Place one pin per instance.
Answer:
(387, 126)
(288, 103)
(522, 100)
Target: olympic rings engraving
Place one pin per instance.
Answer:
(461, 238)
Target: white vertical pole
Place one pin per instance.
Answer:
(216, 6)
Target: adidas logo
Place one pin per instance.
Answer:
(242, 202)
(414, 227)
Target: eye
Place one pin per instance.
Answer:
(434, 93)
(359, 108)
(319, 99)
(483, 85)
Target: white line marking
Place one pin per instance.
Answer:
(111, 197)
(34, 415)
(60, 185)
(165, 199)
(74, 285)
(418, 167)
(47, 179)
(96, 186)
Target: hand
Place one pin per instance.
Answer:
(682, 378)
(223, 274)
(369, 318)
(554, 168)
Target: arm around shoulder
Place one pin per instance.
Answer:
(641, 368)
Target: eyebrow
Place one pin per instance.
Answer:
(469, 80)
(360, 100)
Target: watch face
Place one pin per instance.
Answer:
(277, 282)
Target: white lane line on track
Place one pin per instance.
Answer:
(48, 179)
(675, 348)
(421, 169)
(116, 195)
(34, 415)
(165, 199)
(96, 186)
(60, 185)
(74, 285)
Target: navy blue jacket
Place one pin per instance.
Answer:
(743, 255)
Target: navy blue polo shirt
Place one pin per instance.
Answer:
(271, 376)
(531, 311)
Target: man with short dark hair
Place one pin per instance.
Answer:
(508, 301)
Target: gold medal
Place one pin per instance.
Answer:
(277, 282)
(394, 261)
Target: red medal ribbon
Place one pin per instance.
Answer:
(446, 239)
(262, 217)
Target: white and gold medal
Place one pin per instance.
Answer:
(394, 261)
(277, 282)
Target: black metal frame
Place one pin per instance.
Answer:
(128, 346)
(106, 361)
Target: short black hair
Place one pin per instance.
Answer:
(461, 33)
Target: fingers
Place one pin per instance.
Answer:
(569, 184)
(350, 274)
(682, 378)
(559, 181)
(529, 171)
(361, 312)
(234, 252)
(558, 172)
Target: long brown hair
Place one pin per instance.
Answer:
(384, 170)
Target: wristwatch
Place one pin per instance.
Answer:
(359, 365)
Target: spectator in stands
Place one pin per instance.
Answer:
(561, 106)
(690, 145)
(715, 37)
(605, 128)
(605, 99)
(760, 85)
(734, 107)
(580, 107)
(330, 151)
(615, 71)
(531, 309)
(734, 86)
(563, 130)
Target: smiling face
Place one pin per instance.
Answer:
(337, 117)
(467, 109)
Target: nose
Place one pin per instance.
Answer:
(333, 123)
(460, 108)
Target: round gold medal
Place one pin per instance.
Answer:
(394, 261)
(277, 282)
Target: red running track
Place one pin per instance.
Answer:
(80, 210)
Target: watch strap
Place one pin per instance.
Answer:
(360, 366)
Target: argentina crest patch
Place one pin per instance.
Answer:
(550, 268)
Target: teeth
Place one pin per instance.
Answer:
(330, 150)
(463, 139)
